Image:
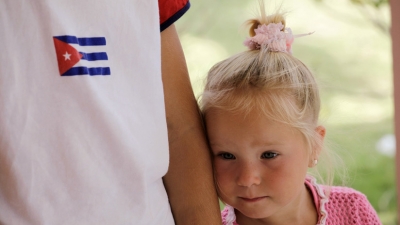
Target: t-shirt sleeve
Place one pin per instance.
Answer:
(171, 11)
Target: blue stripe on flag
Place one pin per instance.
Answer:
(74, 71)
(92, 41)
(99, 71)
(94, 56)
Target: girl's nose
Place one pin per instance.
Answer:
(248, 175)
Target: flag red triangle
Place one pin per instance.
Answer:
(67, 56)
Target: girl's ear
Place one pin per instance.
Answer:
(317, 148)
(321, 131)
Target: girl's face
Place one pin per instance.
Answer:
(260, 165)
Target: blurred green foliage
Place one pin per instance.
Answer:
(372, 12)
(375, 3)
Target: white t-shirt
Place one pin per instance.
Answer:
(83, 137)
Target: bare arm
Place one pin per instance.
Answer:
(189, 181)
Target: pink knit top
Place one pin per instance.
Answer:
(344, 206)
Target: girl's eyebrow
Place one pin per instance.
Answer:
(268, 143)
(216, 145)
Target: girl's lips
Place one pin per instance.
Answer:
(253, 199)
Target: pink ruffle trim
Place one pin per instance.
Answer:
(228, 216)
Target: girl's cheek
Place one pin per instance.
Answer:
(222, 165)
(223, 171)
(218, 169)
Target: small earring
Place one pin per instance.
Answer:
(315, 162)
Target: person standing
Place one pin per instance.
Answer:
(97, 116)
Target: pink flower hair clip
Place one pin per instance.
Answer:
(271, 35)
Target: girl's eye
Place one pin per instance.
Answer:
(269, 155)
(227, 156)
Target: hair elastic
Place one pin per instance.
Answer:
(271, 35)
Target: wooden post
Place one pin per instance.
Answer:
(395, 32)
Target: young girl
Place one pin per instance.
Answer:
(261, 110)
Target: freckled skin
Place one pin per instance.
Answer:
(260, 166)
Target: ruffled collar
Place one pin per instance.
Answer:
(229, 216)
(319, 197)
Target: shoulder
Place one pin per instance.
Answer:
(345, 196)
(171, 11)
(349, 206)
(228, 216)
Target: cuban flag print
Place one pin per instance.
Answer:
(81, 55)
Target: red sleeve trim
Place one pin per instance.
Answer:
(171, 10)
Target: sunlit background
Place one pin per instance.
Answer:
(350, 54)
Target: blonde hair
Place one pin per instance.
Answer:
(276, 84)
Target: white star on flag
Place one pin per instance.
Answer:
(67, 56)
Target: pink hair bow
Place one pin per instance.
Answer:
(271, 35)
